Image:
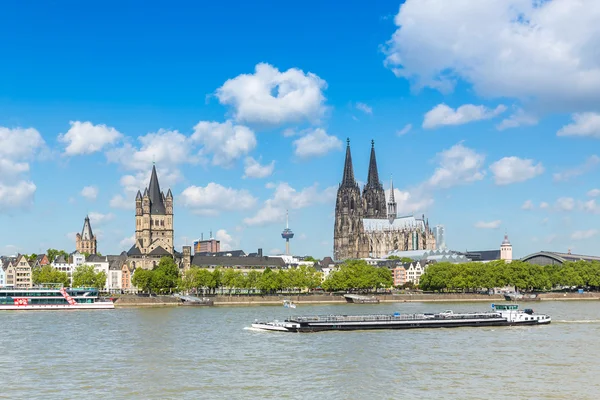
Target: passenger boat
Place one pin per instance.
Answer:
(288, 304)
(501, 315)
(52, 298)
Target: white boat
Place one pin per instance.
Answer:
(52, 298)
(288, 304)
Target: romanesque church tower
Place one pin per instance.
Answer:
(154, 220)
(348, 240)
(373, 194)
(85, 242)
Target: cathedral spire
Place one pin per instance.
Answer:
(392, 206)
(373, 179)
(348, 178)
(86, 232)
(157, 206)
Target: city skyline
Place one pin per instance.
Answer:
(243, 124)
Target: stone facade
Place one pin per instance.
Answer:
(365, 227)
(85, 242)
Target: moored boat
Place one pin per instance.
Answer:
(501, 315)
(52, 298)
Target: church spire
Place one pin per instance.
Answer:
(392, 206)
(348, 178)
(373, 179)
(86, 232)
(157, 206)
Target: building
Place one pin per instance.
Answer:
(85, 242)
(42, 260)
(504, 253)
(365, 227)
(153, 226)
(18, 272)
(555, 258)
(243, 263)
(441, 255)
(399, 275)
(207, 246)
(440, 239)
(2, 275)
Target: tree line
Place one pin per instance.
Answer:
(471, 276)
(358, 275)
(83, 276)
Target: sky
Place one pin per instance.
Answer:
(486, 114)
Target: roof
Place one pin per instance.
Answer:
(157, 206)
(348, 177)
(86, 232)
(95, 258)
(230, 253)
(506, 241)
(407, 222)
(562, 257)
(134, 251)
(483, 255)
(212, 261)
(159, 251)
(60, 260)
(116, 262)
(373, 177)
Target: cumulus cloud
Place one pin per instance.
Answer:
(18, 146)
(584, 234)
(364, 108)
(286, 197)
(565, 204)
(127, 242)
(444, 115)
(272, 97)
(404, 130)
(584, 124)
(528, 205)
(228, 242)
(89, 192)
(214, 198)
(316, 143)
(590, 206)
(571, 173)
(513, 49)
(410, 202)
(253, 168)
(86, 138)
(488, 225)
(97, 218)
(594, 193)
(514, 169)
(544, 205)
(119, 201)
(518, 118)
(457, 165)
(225, 141)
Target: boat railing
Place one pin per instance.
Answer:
(386, 317)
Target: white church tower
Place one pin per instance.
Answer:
(506, 250)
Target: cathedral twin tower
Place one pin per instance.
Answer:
(367, 226)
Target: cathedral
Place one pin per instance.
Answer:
(153, 226)
(367, 226)
(85, 242)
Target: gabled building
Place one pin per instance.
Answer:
(85, 242)
(42, 260)
(18, 272)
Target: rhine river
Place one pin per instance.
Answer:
(205, 353)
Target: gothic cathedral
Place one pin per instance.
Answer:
(367, 226)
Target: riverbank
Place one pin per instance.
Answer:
(239, 300)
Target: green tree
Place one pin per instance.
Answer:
(86, 276)
(165, 276)
(53, 253)
(48, 274)
(142, 279)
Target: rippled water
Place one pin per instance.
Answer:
(168, 353)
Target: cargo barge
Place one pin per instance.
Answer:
(501, 315)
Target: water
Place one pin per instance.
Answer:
(205, 353)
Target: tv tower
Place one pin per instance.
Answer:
(287, 234)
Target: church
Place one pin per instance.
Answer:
(368, 226)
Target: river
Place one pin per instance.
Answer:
(205, 353)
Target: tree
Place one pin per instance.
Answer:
(142, 279)
(310, 258)
(86, 276)
(48, 274)
(165, 275)
(53, 253)
(31, 257)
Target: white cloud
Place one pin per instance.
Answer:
(227, 241)
(584, 124)
(488, 225)
(225, 141)
(544, 205)
(364, 108)
(458, 165)
(528, 205)
(590, 206)
(513, 48)
(97, 218)
(316, 143)
(518, 118)
(286, 197)
(514, 169)
(410, 202)
(444, 115)
(253, 168)
(581, 235)
(404, 130)
(214, 198)
(86, 138)
(594, 193)
(565, 204)
(89, 192)
(272, 97)
(18, 147)
(568, 174)
(119, 201)
(127, 242)
(166, 148)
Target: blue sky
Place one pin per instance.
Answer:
(487, 116)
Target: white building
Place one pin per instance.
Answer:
(414, 271)
(2, 276)
(440, 238)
